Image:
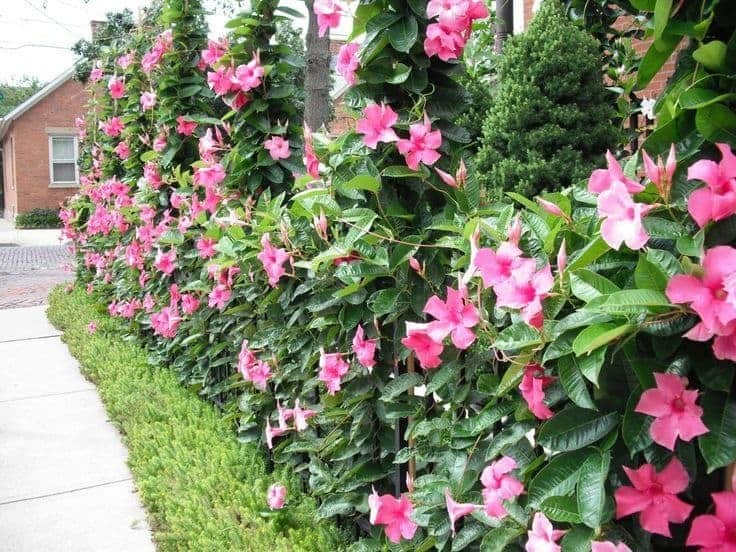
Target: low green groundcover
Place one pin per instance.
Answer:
(38, 218)
(202, 488)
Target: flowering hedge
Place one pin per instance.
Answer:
(443, 371)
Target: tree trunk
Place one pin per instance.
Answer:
(317, 103)
(504, 23)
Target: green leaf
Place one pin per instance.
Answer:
(598, 335)
(718, 446)
(712, 55)
(474, 425)
(561, 508)
(517, 336)
(401, 171)
(586, 285)
(588, 254)
(617, 302)
(590, 365)
(573, 382)
(577, 540)
(695, 98)
(498, 539)
(189, 91)
(635, 426)
(574, 428)
(399, 385)
(383, 301)
(403, 34)
(716, 123)
(558, 477)
(363, 182)
(468, 534)
(662, 11)
(591, 493)
(655, 58)
(649, 276)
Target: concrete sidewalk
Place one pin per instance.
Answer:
(64, 483)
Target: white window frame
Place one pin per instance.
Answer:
(66, 184)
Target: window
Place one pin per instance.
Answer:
(63, 160)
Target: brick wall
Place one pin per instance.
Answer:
(26, 161)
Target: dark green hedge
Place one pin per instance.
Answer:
(38, 218)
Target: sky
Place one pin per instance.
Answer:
(35, 35)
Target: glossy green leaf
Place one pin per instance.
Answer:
(558, 477)
(404, 33)
(712, 55)
(573, 382)
(591, 491)
(517, 336)
(587, 285)
(718, 446)
(563, 509)
(574, 428)
(716, 123)
(598, 335)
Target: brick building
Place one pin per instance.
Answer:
(39, 147)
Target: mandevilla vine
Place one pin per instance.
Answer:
(443, 372)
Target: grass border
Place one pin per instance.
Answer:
(203, 490)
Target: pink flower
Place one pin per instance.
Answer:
(661, 174)
(276, 497)
(122, 150)
(553, 209)
(159, 143)
(543, 537)
(259, 374)
(655, 496)
(364, 349)
(607, 546)
(394, 514)
(443, 42)
(248, 76)
(332, 369)
(301, 415)
(457, 510)
(454, 317)
(601, 179)
(328, 15)
(125, 60)
(716, 533)
(532, 389)
(148, 100)
(499, 486)
(348, 62)
(91, 327)
(708, 296)
(151, 175)
(496, 267)
(189, 303)
(116, 86)
(272, 432)
(215, 50)
(675, 411)
(219, 296)
(310, 159)
(206, 247)
(718, 199)
(184, 126)
(209, 176)
(113, 127)
(273, 260)
(526, 289)
(376, 125)
(426, 349)
(561, 259)
(622, 218)
(166, 262)
(221, 80)
(277, 147)
(165, 322)
(421, 146)
(95, 74)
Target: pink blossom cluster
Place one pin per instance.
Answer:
(712, 296)
(298, 414)
(232, 83)
(447, 37)
(164, 43)
(252, 368)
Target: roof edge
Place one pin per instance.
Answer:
(19, 110)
